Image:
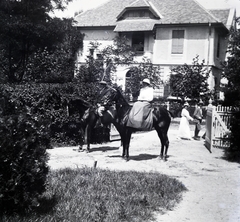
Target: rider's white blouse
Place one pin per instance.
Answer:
(146, 94)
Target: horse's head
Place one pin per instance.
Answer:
(122, 106)
(120, 100)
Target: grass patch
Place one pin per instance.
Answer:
(89, 194)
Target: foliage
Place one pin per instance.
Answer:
(56, 63)
(23, 161)
(189, 81)
(60, 105)
(32, 43)
(90, 74)
(232, 94)
(145, 69)
(109, 58)
(118, 53)
(102, 195)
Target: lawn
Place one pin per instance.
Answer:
(89, 194)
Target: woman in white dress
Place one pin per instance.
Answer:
(184, 128)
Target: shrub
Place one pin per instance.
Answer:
(23, 161)
(232, 153)
(50, 102)
(60, 105)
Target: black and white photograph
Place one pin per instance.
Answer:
(120, 110)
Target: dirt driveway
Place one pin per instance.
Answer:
(213, 184)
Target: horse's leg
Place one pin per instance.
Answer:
(128, 134)
(166, 145)
(82, 132)
(123, 149)
(89, 130)
(88, 136)
(164, 142)
(123, 142)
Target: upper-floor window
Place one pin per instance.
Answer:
(177, 41)
(138, 41)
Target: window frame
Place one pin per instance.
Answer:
(137, 39)
(178, 36)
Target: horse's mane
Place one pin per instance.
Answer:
(121, 99)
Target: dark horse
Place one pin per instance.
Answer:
(117, 113)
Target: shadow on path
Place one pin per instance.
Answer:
(103, 148)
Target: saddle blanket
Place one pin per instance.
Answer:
(141, 116)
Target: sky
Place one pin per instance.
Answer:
(83, 5)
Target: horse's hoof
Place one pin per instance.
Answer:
(87, 151)
(160, 157)
(126, 159)
(80, 149)
(166, 158)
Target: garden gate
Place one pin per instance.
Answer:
(217, 126)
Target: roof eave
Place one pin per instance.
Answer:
(220, 24)
(150, 8)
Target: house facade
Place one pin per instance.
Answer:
(170, 32)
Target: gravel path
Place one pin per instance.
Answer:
(213, 183)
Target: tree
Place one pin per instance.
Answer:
(109, 58)
(104, 66)
(232, 94)
(189, 81)
(26, 31)
(145, 69)
(56, 63)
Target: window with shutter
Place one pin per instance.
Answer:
(177, 41)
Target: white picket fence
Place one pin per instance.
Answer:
(218, 126)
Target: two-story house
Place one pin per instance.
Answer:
(171, 32)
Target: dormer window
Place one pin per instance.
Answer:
(137, 14)
(138, 10)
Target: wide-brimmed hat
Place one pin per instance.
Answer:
(147, 81)
(186, 104)
(103, 82)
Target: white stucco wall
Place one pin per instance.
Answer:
(198, 40)
(104, 37)
(195, 43)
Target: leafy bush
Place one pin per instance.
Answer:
(48, 101)
(60, 105)
(232, 153)
(23, 161)
(190, 80)
(232, 90)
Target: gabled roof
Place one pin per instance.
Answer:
(171, 12)
(227, 16)
(222, 15)
(140, 4)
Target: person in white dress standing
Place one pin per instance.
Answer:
(184, 128)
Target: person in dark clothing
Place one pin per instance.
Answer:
(105, 97)
(197, 115)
